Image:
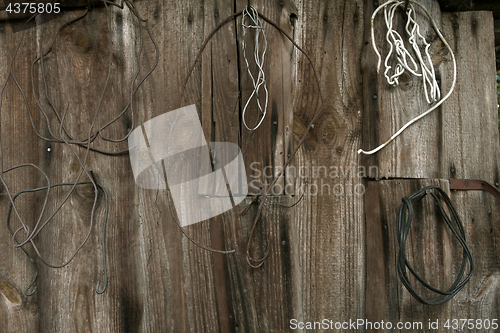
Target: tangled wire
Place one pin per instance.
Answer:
(24, 234)
(263, 193)
(420, 67)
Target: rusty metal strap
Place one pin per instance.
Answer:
(474, 184)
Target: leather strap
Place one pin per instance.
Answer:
(474, 184)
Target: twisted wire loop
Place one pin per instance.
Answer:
(422, 66)
(257, 262)
(251, 16)
(62, 135)
(403, 225)
(252, 261)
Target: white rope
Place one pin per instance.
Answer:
(421, 67)
(251, 14)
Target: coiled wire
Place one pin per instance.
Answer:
(403, 225)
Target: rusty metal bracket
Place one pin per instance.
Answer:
(474, 184)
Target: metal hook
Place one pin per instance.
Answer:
(34, 279)
(106, 209)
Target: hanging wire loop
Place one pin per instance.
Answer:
(250, 20)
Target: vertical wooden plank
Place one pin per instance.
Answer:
(378, 300)
(432, 252)
(182, 23)
(195, 293)
(151, 290)
(220, 100)
(257, 294)
(329, 230)
(76, 73)
(163, 254)
(18, 144)
(480, 212)
(472, 151)
(266, 149)
(209, 305)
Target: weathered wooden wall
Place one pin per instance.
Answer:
(323, 261)
(477, 5)
(459, 140)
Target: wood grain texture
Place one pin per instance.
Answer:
(465, 152)
(433, 253)
(471, 149)
(19, 146)
(430, 251)
(328, 227)
(466, 157)
(76, 74)
(322, 252)
(424, 149)
(486, 5)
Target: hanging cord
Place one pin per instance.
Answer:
(104, 266)
(33, 281)
(255, 23)
(422, 67)
(65, 138)
(133, 86)
(403, 226)
(255, 263)
(39, 225)
(9, 213)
